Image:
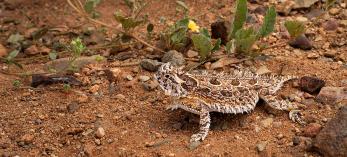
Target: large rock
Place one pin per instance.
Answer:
(332, 140)
(332, 95)
(174, 57)
(311, 84)
(304, 3)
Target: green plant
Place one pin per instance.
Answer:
(202, 42)
(16, 83)
(89, 7)
(77, 48)
(66, 87)
(9, 59)
(176, 36)
(242, 39)
(295, 28)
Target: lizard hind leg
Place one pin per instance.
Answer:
(205, 122)
(294, 114)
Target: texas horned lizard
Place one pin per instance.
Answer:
(200, 92)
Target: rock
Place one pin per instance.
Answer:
(100, 132)
(261, 146)
(262, 70)
(27, 138)
(144, 78)
(129, 77)
(304, 3)
(343, 23)
(296, 140)
(267, 122)
(331, 140)
(224, 62)
(334, 11)
(82, 98)
(312, 129)
(285, 7)
(3, 51)
(219, 30)
(330, 25)
(150, 65)
(63, 63)
(192, 54)
(34, 50)
(314, 13)
(311, 84)
(73, 107)
(174, 57)
(113, 74)
(150, 86)
(332, 95)
(302, 19)
(312, 55)
(98, 142)
(120, 97)
(301, 42)
(94, 89)
(330, 53)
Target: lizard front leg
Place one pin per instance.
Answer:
(205, 122)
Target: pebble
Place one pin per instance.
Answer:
(331, 25)
(27, 138)
(82, 98)
(266, 122)
(100, 132)
(144, 78)
(98, 142)
(261, 146)
(150, 86)
(150, 65)
(73, 107)
(3, 51)
(280, 136)
(120, 97)
(94, 89)
(129, 77)
(113, 74)
(191, 54)
(296, 140)
(277, 124)
(334, 11)
(312, 129)
(302, 19)
(174, 57)
(312, 55)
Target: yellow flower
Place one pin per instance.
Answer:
(193, 26)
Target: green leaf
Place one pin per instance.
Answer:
(127, 22)
(15, 39)
(240, 17)
(202, 44)
(53, 55)
(12, 55)
(90, 5)
(217, 45)
(295, 28)
(269, 22)
(244, 40)
(205, 32)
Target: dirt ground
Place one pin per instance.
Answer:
(48, 121)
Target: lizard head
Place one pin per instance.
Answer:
(169, 80)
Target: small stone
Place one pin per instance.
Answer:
(82, 98)
(330, 25)
(334, 11)
(302, 19)
(266, 122)
(98, 142)
(219, 30)
(301, 42)
(3, 51)
(312, 55)
(150, 65)
(120, 97)
(150, 86)
(27, 138)
(192, 54)
(261, 146)
(343, 23)
(33, 50)
(73, 107)
(285, 7)
(330, 53)
(144, 78)
(174, 57)
(113, 74)
(94, 89)
(311, 84)
(149, 49)
(312, 129)
(263, 70)
(296, 140)
(129, 77)
(277, 124)
(280, 136)
(100, 132)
